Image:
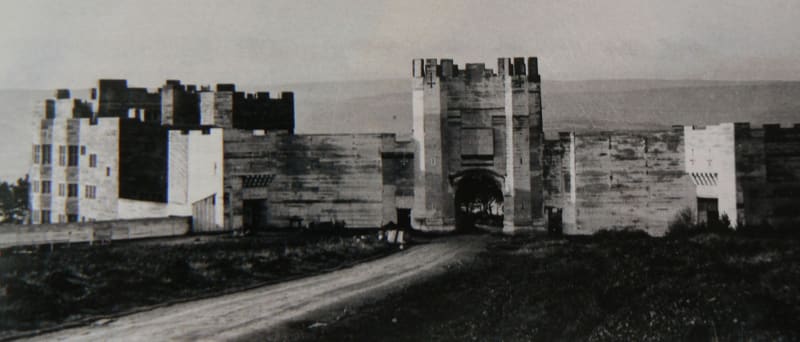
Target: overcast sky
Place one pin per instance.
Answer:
(72, 43)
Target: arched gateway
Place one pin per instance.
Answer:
(478, 199)
(477, 128)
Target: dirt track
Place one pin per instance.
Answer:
(236, 315)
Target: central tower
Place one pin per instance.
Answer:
(478, 124)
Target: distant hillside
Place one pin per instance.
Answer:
(611, 105)
(385, 106)
(350, 107)
(568, 105)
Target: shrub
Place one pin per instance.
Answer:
(723, 223)
(766, 230)
(682, 224)
(623, 233)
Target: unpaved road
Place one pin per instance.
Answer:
(244, 313)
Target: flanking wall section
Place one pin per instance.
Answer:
(617, 180)
(278, 179)
(97, 231)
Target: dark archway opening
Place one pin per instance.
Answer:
(255, 215)
(478, 202)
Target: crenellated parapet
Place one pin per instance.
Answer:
(260, 111)
(178, 105)
(63, 106)
(445, 68)
(228, 108)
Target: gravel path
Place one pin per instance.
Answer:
(258, 310)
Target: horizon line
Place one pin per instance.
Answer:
(544, 80)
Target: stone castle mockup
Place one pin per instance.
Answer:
(230, 160)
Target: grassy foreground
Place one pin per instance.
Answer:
(44, 289)
(612, 287)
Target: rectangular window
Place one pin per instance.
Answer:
(61, 218)
(37, 154)
(72, 190)
(72, 218)
(90, 191)
(47, 152)
(35, 216)
(62, 155)
(35, 186)
(45, 216)
(83, 150)
(92, 160)
(45, 187)
(62, 189)
(73, 155)
(108, 171)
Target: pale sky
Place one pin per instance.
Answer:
(70, 44)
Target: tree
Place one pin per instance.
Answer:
(479, 196)
(14, 201)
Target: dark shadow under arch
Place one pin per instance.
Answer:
(478, 200)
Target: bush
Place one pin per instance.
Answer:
(766, 230)
(684, 225)
(624, 233)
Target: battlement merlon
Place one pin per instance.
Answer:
(65, 107)
(254, 97)
(445, 68)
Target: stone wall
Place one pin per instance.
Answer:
(207, 108)
(477, 120)
(180, 104)
(618, 180)
(93, 144)
(398, 179)
(101, 141)
(27, 235)
(768, 175)
(125, 152)
(259, 111)
(223, 106)
(132, 209)
(558, 186)
(316, 178)
(710, 161)
(195, 170)
(142, 161)
(113, 98)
